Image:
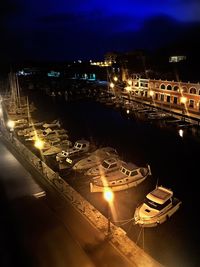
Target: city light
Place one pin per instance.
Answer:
(112, 85)
(151, 93)
(39, 144)
(108, 196)
(183, 99)
(11, 124)
(129, 82)
(180, 132)
(128, 88)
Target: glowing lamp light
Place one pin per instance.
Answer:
(183, 99)
(112, 85)
(108, 194)
(115, 78)
(180, 132)
(129, 82)
(11, 124)
(128, 88)
(128, 111)
(39, 144)
(151, 93)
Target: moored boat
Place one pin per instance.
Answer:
(158, 206)
(95, 158)
(80, 147)
(110, 164)
(129, 175)
(55, 149)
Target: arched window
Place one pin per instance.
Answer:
(176, 88)
(169, 87)
(191, 103)
(162, 86)
(193, 90)
(184, 89)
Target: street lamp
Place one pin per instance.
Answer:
(108, 196)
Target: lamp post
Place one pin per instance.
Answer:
(108, 196)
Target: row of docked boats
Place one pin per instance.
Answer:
(102, 165)
(104, 168)
(149, 113)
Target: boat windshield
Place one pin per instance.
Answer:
(125, 171)
(105, 165)
(77, 145)
(155, 205)
(134, 173)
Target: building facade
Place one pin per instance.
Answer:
(172, 94)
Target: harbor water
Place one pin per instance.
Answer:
(174, 164)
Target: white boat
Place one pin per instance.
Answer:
(129, 175)
(80, 147)
(48, 134)
(54, 123)
(110, 164)
(158, 206)
(37, 133)
(95, 158)
(55, 149)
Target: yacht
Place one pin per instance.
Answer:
(70, 156)
(129, 175)
(110, 164)
(58, 148)
(158, 206)
(52, 124)
(95, 158)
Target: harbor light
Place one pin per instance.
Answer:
(180, 132)
(128, 88)
(112, 85)
(11, 124)
(108, 195)
(151, 93)
(39, 144)
(129, 82)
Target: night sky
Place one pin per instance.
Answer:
(76, 29)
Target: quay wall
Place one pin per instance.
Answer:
(119, 239)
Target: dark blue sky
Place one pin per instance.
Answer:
(75, 29)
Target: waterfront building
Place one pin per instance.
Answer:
(184, 96)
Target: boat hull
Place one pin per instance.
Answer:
(157, 220)
(118, 187)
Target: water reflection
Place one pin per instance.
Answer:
(181, 132)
